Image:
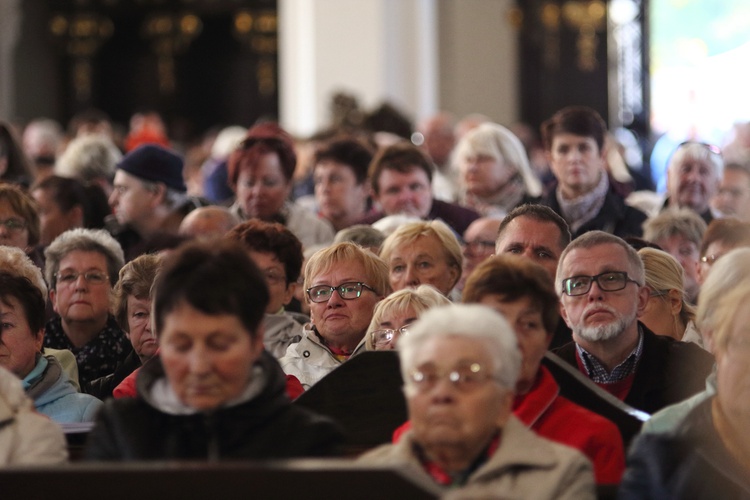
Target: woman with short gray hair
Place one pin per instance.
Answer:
(82, 266)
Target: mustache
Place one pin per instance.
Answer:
(599, 307)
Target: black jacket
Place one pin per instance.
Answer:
(690, 463)
(102, 387)
(667, 373)
(615, 217)
(265, 427)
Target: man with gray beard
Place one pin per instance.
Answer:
(601, 281)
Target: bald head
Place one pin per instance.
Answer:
(208, 222)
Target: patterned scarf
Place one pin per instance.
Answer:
(582, 209)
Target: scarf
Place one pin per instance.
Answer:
(582, 209)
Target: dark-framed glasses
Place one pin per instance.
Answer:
(382, 338)
(91, 277)
(611, 281)
(347, 291)
(13, 224)
(464, 377)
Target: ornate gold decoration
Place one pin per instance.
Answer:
(589, 18)
(258, 31)
(170, 35)
(81, 35)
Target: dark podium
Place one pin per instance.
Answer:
(365, 396)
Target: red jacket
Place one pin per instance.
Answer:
(553, 417)
(126, 388)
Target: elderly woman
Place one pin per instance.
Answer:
(523, 293)
(667, 312)
(459, 387)
(81, 265)
(494, 171)
(425, 252)
(19, 220)
(132, 309)
(395, 314)
(708, 454)
(22, 303)
(213, 393)
(260, 173)
(343, 283)
(278, 254)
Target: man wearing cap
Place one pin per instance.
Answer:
(149, 192)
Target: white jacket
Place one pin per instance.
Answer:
(309, 360)
(26, 437)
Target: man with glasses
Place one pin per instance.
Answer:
(721, 237)
(343, 283)
(601, 281)
(693, 177)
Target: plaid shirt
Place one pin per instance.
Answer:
(597, 371)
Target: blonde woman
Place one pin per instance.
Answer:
(495, 173)
(667, 311)
(394, 315)
(423, 253)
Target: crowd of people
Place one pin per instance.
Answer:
(182, 310)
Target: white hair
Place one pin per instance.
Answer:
(15, 261)
(89, 157)
(470, 322)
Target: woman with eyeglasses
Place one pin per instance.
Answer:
(343, 283)
(19, 219)
(667, 312)
(260, 173)
(460, 364)
(81, 267)
(395, 314)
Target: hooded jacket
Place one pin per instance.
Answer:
(156, 426)
(55, 395)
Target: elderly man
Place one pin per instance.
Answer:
(574, 141)
(679, 233)
(438, 142)
(459, 386)
(733, 198)
(401, 177)
(81, 267)
(148, 196)
(343, 283)
(535, 232)
(693, 177)
(601, 279)
(208, 222)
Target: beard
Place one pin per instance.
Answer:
(605, 331)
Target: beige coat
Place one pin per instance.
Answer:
(524, 466)
(26, 437)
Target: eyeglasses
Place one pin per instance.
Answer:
(92, 277)
(464, 377)
(14, 225)
(347, 291)
(711, 147)
(381, 338)
(611, 281)
(657, 293)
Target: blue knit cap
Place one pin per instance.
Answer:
(156, 164)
